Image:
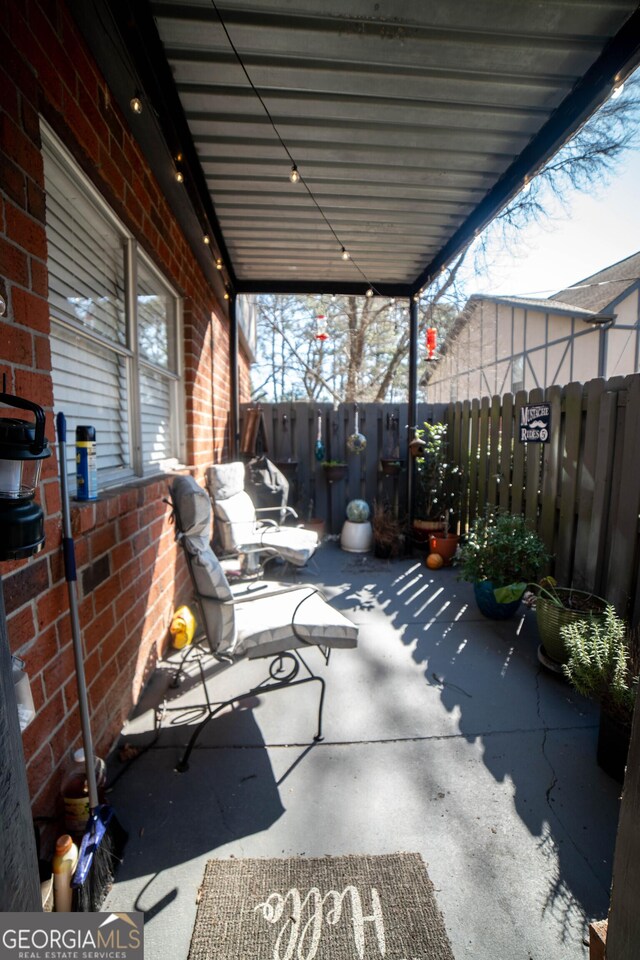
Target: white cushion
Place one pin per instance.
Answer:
(264, 627)
(225, 479)
(294, 544)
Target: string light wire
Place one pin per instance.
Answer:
(286, 149)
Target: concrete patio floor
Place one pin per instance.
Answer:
(443, 735)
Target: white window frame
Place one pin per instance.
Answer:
(131, 353)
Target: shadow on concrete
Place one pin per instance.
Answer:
(537, 736)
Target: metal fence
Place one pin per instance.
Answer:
(581, 490)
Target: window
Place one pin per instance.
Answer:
(115, 330)
(517, 374)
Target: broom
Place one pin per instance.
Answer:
(104, 838)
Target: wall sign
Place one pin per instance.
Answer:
(535, 423)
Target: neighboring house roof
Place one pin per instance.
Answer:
(591, 300)
(550, 305)
(601, 289)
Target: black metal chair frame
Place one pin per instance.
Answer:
(278, 677)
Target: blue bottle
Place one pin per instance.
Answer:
(86, 464)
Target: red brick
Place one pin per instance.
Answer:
(36, 386)
(52, 605)
(40, 282)
(13, 180)
(40, 769)
(43, 357)
(21, 628)
(17, 344)
(43, 724)
(100, 626)
(26, 232)
(112, 644)
(30, 311)
(19, 148)
(83, 518)
(127, 526)
(102, 540)
(41, 651)
(25, 584)
(52, 498)
(83, 130)
(14, 264)
(107, 593)
(120, 556)
(36, 201)
(9, 96)
(58, 670)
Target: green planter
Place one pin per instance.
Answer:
(551, 618)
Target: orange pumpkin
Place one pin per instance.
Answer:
(434, 561)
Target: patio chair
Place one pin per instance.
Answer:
(251, 621)
(238, 526)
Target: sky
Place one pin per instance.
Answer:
(599, 230)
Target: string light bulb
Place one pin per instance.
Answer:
(219, 263)
(179, 175)
(369, 292)
(294, 176)
(345, 254)
(206, 239)
(136, 104)
(227, 295)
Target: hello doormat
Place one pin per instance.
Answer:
(322, 908)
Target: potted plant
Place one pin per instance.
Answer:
(603, 664)
(501, 555)
(391, 466)
(437, 483)
(557, 607)
(388, 535)
(334, 470)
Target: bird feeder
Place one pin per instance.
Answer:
(432, 341)
(321, 328)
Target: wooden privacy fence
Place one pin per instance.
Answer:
(291, 433)
(581, 490)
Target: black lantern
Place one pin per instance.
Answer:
(23, 447)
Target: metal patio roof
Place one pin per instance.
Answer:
(411, 122)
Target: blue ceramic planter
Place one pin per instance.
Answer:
(489, 606)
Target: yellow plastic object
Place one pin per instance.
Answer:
(183, 627)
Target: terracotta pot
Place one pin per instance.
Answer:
(337, 471)
(446, 545)
(421, 530)
(317, 525)
(391, 467)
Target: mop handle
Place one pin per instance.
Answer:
(69, 555)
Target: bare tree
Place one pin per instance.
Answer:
(365, 356)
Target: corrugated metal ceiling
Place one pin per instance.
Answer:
(411, 122)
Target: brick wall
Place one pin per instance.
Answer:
(130, 576)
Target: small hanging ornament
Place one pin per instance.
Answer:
(357, 442)
(319, 449)
(432, 340)
(321, 328)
